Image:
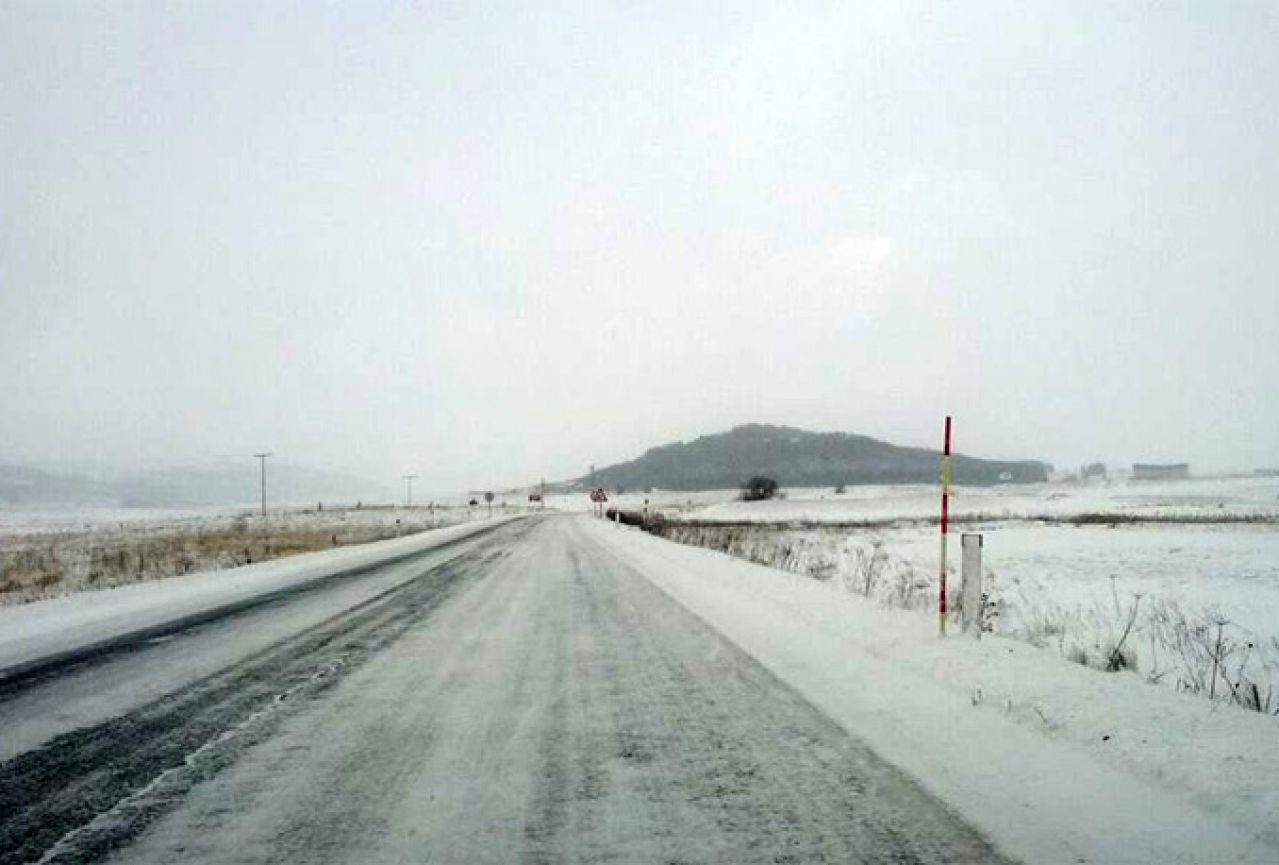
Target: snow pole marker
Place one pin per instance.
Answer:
(945, 522)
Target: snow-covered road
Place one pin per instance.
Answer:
(529, 698)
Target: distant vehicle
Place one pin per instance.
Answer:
(534, 497)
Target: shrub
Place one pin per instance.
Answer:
(758, 489)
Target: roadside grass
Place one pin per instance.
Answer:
(1197, 651)
(43, 565)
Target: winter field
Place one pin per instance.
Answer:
(1178, 581)
(1200, 500)
(50, 553)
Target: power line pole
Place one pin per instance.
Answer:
(262, 460)
(946, 476)
(408, 499)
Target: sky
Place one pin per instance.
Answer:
(491, 243)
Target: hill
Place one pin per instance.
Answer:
(798, 458)
(23, 486)
(216, 484)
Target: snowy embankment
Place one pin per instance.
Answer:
(32, 631)
(1054, 761)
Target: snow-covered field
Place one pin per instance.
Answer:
(25, 522)
(1198, 499)
(1232, 569)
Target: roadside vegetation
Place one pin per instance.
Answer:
(1196, 651)
(45, 564)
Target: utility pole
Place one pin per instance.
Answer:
(262, 459)
(408, 499)
(946, 477)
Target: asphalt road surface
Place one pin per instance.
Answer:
(521, 696)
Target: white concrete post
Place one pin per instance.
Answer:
(970, 592)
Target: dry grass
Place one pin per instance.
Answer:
(39, 566)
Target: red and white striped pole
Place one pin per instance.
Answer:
(945, 523)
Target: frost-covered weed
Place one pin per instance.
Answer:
(1195, 651)
(860, 565)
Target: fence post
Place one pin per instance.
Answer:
(970, 591)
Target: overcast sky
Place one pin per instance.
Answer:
(495, 242)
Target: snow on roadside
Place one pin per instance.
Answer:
(35, 630)
(1055, 762)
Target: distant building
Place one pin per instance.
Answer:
(1169, 472)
